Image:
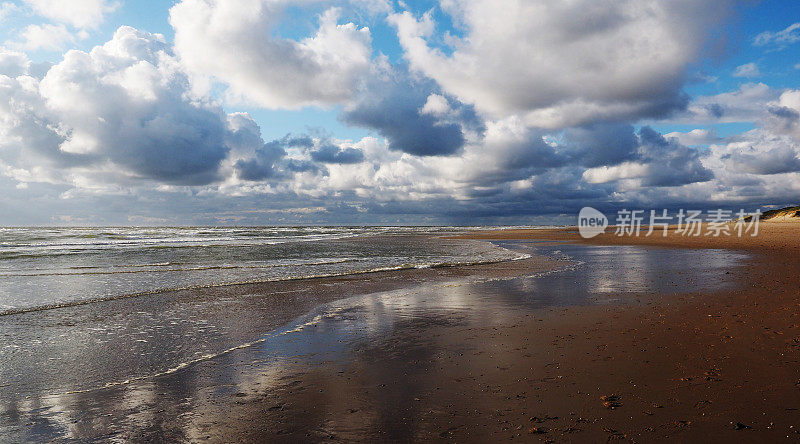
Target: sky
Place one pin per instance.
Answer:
(389, 112)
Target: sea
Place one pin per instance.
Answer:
(44, 268)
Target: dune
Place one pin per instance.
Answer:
(788, 214)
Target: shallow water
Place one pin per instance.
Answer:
(36, 385)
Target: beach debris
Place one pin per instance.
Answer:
(537, 430)
(610, 401)
(543, 418)
(278, 406)
(614, 435)
(741, 426)
(449, 432)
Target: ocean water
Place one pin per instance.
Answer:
(43, 268)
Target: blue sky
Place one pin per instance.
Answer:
(379, 111)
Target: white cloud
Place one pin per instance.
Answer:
(746, 104)
(6, 9)
(14, 64)
(787, 36)
(754, 157)
(436, 105)
(605, 174)
(76, 13)
(374, 6)
(233, 41)
(46, 37)
(113, 117)
(563, 63)
(748, 70)
(784, 114)
(697, 136)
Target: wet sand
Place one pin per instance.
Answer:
(672, 345)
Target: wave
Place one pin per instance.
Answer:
(151, 268)
(31, 243)
(78, 303)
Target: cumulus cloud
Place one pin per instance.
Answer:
(671, 164)
(76, 13)
(784, 114)
(659, 162)
(748, 103)
(121, 112)
(777, 160)
(14, 64)
(410, 114)
(329, 153)
(754, 156)
(600, 144)
(269, 161)
(697, 136)
(235, 42)
(563, 64)
(47, 37)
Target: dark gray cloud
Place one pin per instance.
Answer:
(393, 106)
(269, 160)
(672, 164)
(263, 165)
(784, 112)
(715, 109)
(775, 161)
(600, 144)
(181, 144)
(329, 153)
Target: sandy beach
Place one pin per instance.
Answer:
(587, 341)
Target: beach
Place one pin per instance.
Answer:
(639, 339)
